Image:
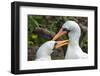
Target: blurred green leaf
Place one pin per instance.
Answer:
(34, 36)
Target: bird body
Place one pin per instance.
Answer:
(73, 51)
(45, 50)
(44, 58)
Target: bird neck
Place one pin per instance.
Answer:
(74, 40)
(74, 44)
(74, 37)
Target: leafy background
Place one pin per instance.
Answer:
(43, 28)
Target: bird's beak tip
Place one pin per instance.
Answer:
(61, 43)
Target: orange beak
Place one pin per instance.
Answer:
(61, 43)
(59, 34)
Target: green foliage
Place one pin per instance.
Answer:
(47, 22)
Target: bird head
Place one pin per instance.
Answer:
(70, 28)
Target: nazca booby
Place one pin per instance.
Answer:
(74, 32)
(45, 50)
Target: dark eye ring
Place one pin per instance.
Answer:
(64, 29)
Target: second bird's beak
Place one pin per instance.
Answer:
(61, 43)
(59, 34)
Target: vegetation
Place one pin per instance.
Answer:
(43, 28)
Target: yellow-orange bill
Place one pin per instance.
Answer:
(57, 46)
(61, 43)
(59, 34)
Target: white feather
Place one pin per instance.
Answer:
(74, 51)
(45, 50)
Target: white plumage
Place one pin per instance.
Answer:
(45, 50)
(73, 51)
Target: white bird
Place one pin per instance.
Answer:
(74, 32)
(45, 50)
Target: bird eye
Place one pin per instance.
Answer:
(64, 29)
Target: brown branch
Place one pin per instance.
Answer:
(44, 31)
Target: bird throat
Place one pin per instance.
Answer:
(74, 41)
(74, 38)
